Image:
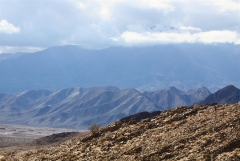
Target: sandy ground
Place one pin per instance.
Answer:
(16, 136)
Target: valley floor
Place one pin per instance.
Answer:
(17, 137)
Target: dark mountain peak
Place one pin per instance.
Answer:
(229, 88)
(228, 94)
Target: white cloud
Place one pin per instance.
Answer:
(114, 38)
(8, 28)
(142, 4)
(105, 13)
(224, 36)
(81, 5)
(14, 49)
(106, 10)
(225, 5)
(155, 37)
(131, 38)
(102, 23)
(189, 28)
(154, 4)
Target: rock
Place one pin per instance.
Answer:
(178, 134)
(1, 157)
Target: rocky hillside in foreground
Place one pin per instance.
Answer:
(200, 133)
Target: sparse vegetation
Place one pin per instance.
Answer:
(95, 128)
(195, 106)
(177, 134)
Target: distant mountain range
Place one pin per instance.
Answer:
(5, 56)
(81, 107)
(172, 97)
(185, 66)
(229, 94)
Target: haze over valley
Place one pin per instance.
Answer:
(185, 66)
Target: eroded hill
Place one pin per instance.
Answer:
(198, 133)
(81, 107)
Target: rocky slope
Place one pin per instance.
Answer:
(200, 133)
(229, 94)
(140, 116)
(55, 138)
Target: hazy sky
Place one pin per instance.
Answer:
(31, 25)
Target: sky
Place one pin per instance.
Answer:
(29, 26)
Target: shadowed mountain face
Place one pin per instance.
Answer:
(81, 107)
(55, 138)
(184, 66)
(229, 94)
(5, 56)
(172, 97)
(140, 116)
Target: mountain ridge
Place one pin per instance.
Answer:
(228, 94)
(174, 97)
(81, 107)
(147, 68)
(73, 107)
(78, 107)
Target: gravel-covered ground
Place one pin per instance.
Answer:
(203, 133)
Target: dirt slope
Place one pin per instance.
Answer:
(198, 133)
